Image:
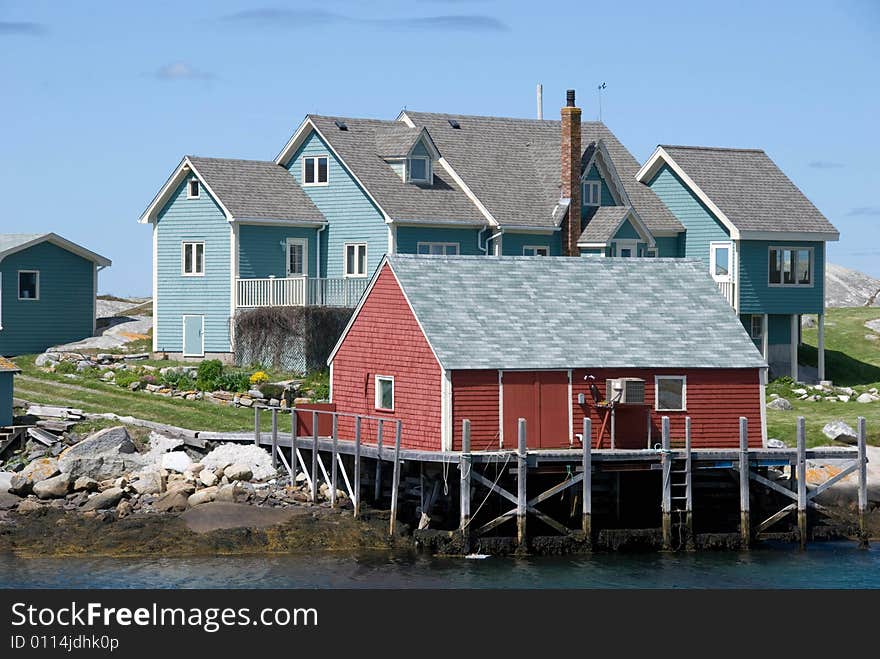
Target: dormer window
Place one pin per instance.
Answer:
(418, 169)
(592, 193)
(315, 170)
(192, 189)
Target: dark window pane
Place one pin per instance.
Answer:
(187, 258)
(775, 266)
(322, 170)
(362, 259)
(194, 188)
(349, 260)
(788, 266)
(418, 169)
(27, 285)
(670, 394)
(200, 258)
(803, 266)
(310, 170)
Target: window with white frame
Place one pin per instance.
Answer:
(385, 393)
(356, 260)
(418, 169)
(720, 260)
(193, 257)
(670, 393)
(297, 251)
(28, 284)
(757, 327)
(592, 193)
(438, 249)
(316, 170)
(651, 252)
(791, 266)
(536, 250)
(192, 189)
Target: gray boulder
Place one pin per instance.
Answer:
(203, 496)
(238, 472)
(149, 482)
(865, 398)
(107, 454)
(106, 499)
(85, 484)
(53, 488)
(840, 431)
(779, 404)
(39, 470)
(5, 481)
(172, 501)
(775, 443)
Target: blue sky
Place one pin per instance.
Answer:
(101, 99)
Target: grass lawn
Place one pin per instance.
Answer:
(850, 361)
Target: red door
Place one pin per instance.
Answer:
(541, 398)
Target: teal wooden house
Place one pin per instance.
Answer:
(8, 370)
(48, 287)
(310, 226)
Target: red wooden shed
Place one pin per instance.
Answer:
(436, 340)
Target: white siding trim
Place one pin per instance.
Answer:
(155, 286)
(500, 409)
(570, 411)
(762, 376)
(445, 410)
(233, 276)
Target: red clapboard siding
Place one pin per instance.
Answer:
(475, 397)
(386, 339)
(716, 399)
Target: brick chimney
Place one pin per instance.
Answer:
(571, 173)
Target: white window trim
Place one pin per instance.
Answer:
(657, 379)
(376, 396)
(651, 252)
(296, 241)
(430, 244)
(429, 174)
(592, 184)
(345, 247)
(535, 248)
(183, 271)
(794, 248)
(316, 183)
(715, 246)
(760, 334)
(627, 243)
(189, 182)
(183, 335)
(37, 287)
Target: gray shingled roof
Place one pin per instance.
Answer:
(750, 189)
(513, 166)
(257, 189)
(442, 201)
(603, 225)
(396, 140)
(560, 312)
(11, 242)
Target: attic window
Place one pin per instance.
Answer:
(592, 193)
(192, 189)
(418, 170)
(315, 170)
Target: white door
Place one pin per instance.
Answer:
(721, 261)
(297, 257)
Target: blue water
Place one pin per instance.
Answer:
(823, 565)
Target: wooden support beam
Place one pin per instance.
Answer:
(745, 530)
(556, 489)
(493, 487)
(275, 438)
(395, 484)
(302, 464)
(257, 437)
(356, 486)
(521, 469)
(689, 486)
(666, 497)
(863, 480)
(587, 482)
(314, 496)
(498, 521)
(345, 480)
(334, 467)
(802, 481)
(464, 466)
(775, 517)
(377, 487)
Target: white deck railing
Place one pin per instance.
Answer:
(299, 292)
(728, 290)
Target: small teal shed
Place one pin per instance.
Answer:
(7, 372)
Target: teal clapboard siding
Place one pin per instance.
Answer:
(180, 220)
(512, 243)
(65, 310)
(408, 239)
(605, 196)
(262, 250)
(669, 246)
(702, 226)
(352, 217)
(627, 232)
(6, 399)
(420, 150)
(757, 296)
(778, 329)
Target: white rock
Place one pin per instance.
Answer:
(779, 404)
(775, 443)
(208, 477)
(865, 398)
(799, 392)
(839, 431)
(255, 458)
(176, 461)
(843, 399)
(149, 482)
(5, 481)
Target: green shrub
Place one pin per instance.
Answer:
(91, 372)
(65, 367)
(321, 390)
(272, 390)
(185, 383)
(209, 374)
(125, 378)
(234, 381)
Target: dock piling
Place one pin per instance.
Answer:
(587, 483)
(802, 481)
(689, 487)
(377, 488)
(395, 485)
(521, 469)
(356, 485)
(314, 457)
(274, 438)
(464, 466)
(257, 425)
(666, 501)
(334, 468)
(745, 528)
(863, 481)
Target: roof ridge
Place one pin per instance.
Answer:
(712, 148)
(248, 160)
(502, 117)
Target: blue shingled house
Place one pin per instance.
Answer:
(310, 226)
(48, 287)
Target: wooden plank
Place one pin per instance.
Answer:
(770, 521)
(549, 521)
(776, 487)
(377, 489)
(802, 481)
(831, 481)
(334, 468)
(345, 477)
(257, 437)
(54, 411)
(464, 467)
(863, 480)
(744, 522)
(42, 436)
(666, 482)
(302, 464)
(494, 487)
(275, 440)
(556, 489)
(357, 467)
(314, 490)
(689, 486)
(55, 426)
(503, 517)
(395, 484)
(587, 481)
(522, 469)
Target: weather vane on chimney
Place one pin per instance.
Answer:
(600, 88)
